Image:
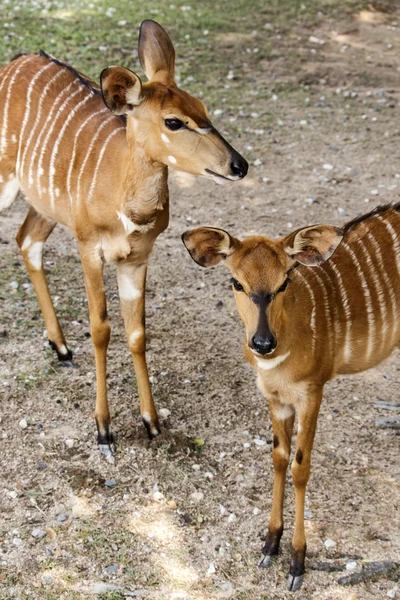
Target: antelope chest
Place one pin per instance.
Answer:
(277, 381)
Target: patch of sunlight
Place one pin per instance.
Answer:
(371, 16)
(82, 507)
(156, 524)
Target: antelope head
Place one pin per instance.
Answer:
(171, 126)
(260, 269)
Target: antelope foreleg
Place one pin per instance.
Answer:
(100, 331)
(282, 426)
(132, 287)
(307, 416)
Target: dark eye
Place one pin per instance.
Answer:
(173, 124)
(238, 286)
(284, 285)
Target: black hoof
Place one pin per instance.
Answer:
(69, 364)
(64, 354)
(105, 439)
(266, 560)
(153, 428)
(294, 582)
(271, 547)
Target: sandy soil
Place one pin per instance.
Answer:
(329, 150)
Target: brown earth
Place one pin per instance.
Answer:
(337, 105)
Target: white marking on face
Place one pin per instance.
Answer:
(35, 255)
(135, 336)
(165, 138)
(9, 192)
(37, 121)
(126, 285)
(282, 411)
(267, 364)
(203, 130)
(172, 160)
(26, 243)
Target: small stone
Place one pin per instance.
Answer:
(41, 465)
(158, 496)
(351, 565)
(196, 467)
(23, 424)
(329, 544)
(232, 518)
(13, 494)
(392, 593)
(164, 413)
(17, 542)
(47, 579)
(218, 112)
(62, 517)
(327, 167)
(257, 162)
(374, 192)
(210, 570)
(308, 514)
(197, 496)
(38, 533)
(208, 475)
(171, 503)
(14, 285)
(222, 510)
(69, 443)
(256, 511)
(110, 483)
(259, 442)
(111, 569)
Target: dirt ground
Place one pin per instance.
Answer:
(184, 516)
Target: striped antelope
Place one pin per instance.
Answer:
(306, 325)
(96, 160)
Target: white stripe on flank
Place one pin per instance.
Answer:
(4, 129)
(378, 291)
(44, 128)
(327, 311)
(6, 71)
(72, 160)
(346, 308)
(270, 363)
(386, 280)
(57, 143)
(46, 140)
(28, 110)
(395, 238)
(313, 310)
(371, 333)
(102, 151)
(37, 121)
(83, 165)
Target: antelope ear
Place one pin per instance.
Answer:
(208, 246)
(312, 246)
(156, 52)
(121, 89)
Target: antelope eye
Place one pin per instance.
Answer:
(284, 285)
(173, 124)
(238, 286)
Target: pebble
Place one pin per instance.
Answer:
(351, 565)
(197, 496)
(158, 496)
(62, 517)
(196, 467)
(41, 465)
(210, 570)
(257, 162)
(38, 533)
(256, 511)
(208, 475)
(111, 569)
(69, 443)
(110, 483)
(218, 112)
(232, 518)
(47, 579)
(23, 424)
(392, 593)
(329, 544)
(327, 167)
(259, 442)
(164, 413)
(374, 192)
(222, 510)
(17, 542)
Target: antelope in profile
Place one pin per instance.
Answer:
(96, 160)
(306, 325)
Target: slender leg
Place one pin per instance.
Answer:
(282, 426)
(100, 330)
(132, 287)
(31, 238)
(307, 416)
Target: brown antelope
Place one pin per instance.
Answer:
(96, 160)
(306, 325)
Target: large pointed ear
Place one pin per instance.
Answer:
(121, 89)
(156, 52)
(312, 246)
(208, 246)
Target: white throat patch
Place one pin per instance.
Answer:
(266, 365)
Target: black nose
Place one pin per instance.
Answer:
(239, 166)
(263, 345)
